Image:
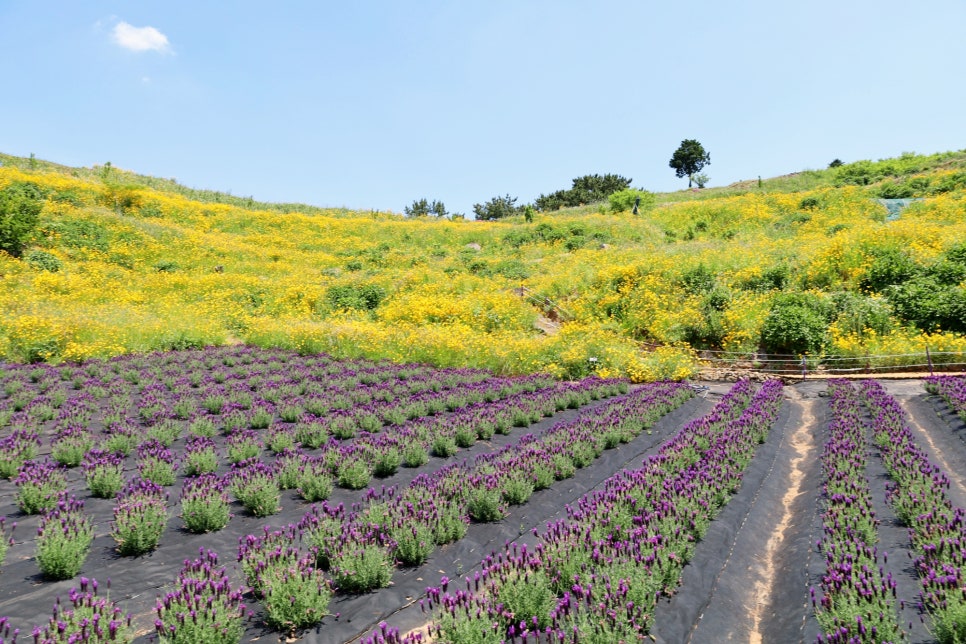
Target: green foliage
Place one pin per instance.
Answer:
(589, 188)
(414, 455)
(105, 481)
(485, 506)
(363, 297)
(858, 314)
(423, 208)
(296, 597)
(794, 325)
(624, 200)
(65, 539)
(689, 159)
(496, 208)
(354, 474)
(362, 568)
(890, 266)
(20, 206)
(78, 233)
(43, 261)
(517, 490)
(414, 544)
(138, 526)
(929, 304)
(528, 599)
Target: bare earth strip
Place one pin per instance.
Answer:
(937, 454)
(803, 443)
(750, 572)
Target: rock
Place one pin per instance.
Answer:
(473, 246)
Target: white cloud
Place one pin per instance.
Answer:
(140, 38)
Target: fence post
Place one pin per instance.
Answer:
(929, 360)
(804, 367)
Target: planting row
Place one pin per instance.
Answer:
(918, 496)
(952, 389)
(858, 599)
(358, 547)
(597, 575)
(140, 513)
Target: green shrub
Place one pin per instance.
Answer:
(362, 568)
(794, 326)
(623, 200)
(365, 297)
(20, 206)
(889, 266)
(42, 261)
(485, 506)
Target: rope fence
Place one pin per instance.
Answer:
(830, 365)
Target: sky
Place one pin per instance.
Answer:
(375, 104)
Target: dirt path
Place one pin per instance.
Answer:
(803, 445)
(748, 580)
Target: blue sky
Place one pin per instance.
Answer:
(375, 104)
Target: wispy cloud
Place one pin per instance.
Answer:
(140, 38)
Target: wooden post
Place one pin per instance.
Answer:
(929, 360)
(804, 367)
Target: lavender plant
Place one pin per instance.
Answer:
(202, 426)
(205, 504)
(242, 445)
(140, 517)
(200, 456)
(69, 447)
(16, 448)
(64, 539)
(88, 618)
(361, 568)
(203, 608)
(253, 483)
(104, 473)
(156, 463)
(39, 484)
(315, 482)
(6, 539)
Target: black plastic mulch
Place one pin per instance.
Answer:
(28, 599)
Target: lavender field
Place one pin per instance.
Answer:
(239, 494)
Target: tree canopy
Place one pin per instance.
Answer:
(689, 159)
(586, 189)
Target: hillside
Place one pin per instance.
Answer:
(808, 263)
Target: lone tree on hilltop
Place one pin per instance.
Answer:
(689, 159)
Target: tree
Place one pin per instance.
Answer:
(689, 159)
(496, 208)
(20, 206)
(835, 163)
(589, 188)
(422, 208)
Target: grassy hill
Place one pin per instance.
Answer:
(809, 262)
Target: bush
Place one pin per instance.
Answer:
(889, 266)
(20, 206)
(364, 297)
(794, 325)
(366, 568)
(623, 200)
(43, 261)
